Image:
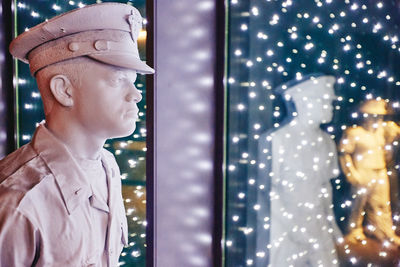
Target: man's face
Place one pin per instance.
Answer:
(324, 112)
(373, 121)
(316, 109)
(105, 102)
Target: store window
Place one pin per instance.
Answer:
(312, 133)
(130, 152)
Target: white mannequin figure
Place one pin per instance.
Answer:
(60, 194)
(303, 228)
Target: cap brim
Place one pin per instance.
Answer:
(124, 61)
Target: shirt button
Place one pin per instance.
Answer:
(110, 251)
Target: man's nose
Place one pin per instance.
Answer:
(134, 95)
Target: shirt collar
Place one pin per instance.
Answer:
(70, 179)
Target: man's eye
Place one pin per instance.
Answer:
(117, 79)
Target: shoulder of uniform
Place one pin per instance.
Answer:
(16, 207)
(110, 158)
(392, 124)
(13, 161)
(10, 211)
(20, 172)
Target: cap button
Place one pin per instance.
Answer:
(101, 45)
(73, 47)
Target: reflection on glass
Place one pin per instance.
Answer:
(302, 161)
(272, 46)
(130, 152)
(365, 151)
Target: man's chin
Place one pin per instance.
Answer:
(124, 132)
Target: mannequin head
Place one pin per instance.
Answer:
(373, 112)
(85, 62)
(313, 100)
(98, 98)
(372, 122)
(70, 48)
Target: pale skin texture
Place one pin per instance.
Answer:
(85, 111)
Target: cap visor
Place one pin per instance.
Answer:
(124, 61)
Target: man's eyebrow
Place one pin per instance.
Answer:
(118, 71)
(124, 72)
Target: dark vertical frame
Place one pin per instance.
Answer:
(219, 127)
(184, 132)
(7, 97)
(219, 124)
(150, 170)
(236, 123)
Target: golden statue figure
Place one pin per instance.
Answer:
(365, 152)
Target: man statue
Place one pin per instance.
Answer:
(364, 151)
(303, 229)
(60, 195)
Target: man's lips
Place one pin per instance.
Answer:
(132, 113)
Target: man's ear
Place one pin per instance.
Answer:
(61, 89)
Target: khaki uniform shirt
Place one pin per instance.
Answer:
(47, 213)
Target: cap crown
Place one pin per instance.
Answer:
(74, 24)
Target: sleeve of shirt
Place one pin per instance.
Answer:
(18, 239)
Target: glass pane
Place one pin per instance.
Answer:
(312, 133)
(130, 152)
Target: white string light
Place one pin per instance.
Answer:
(347, 39)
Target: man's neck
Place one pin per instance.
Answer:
(77, 140)
(306, 125)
